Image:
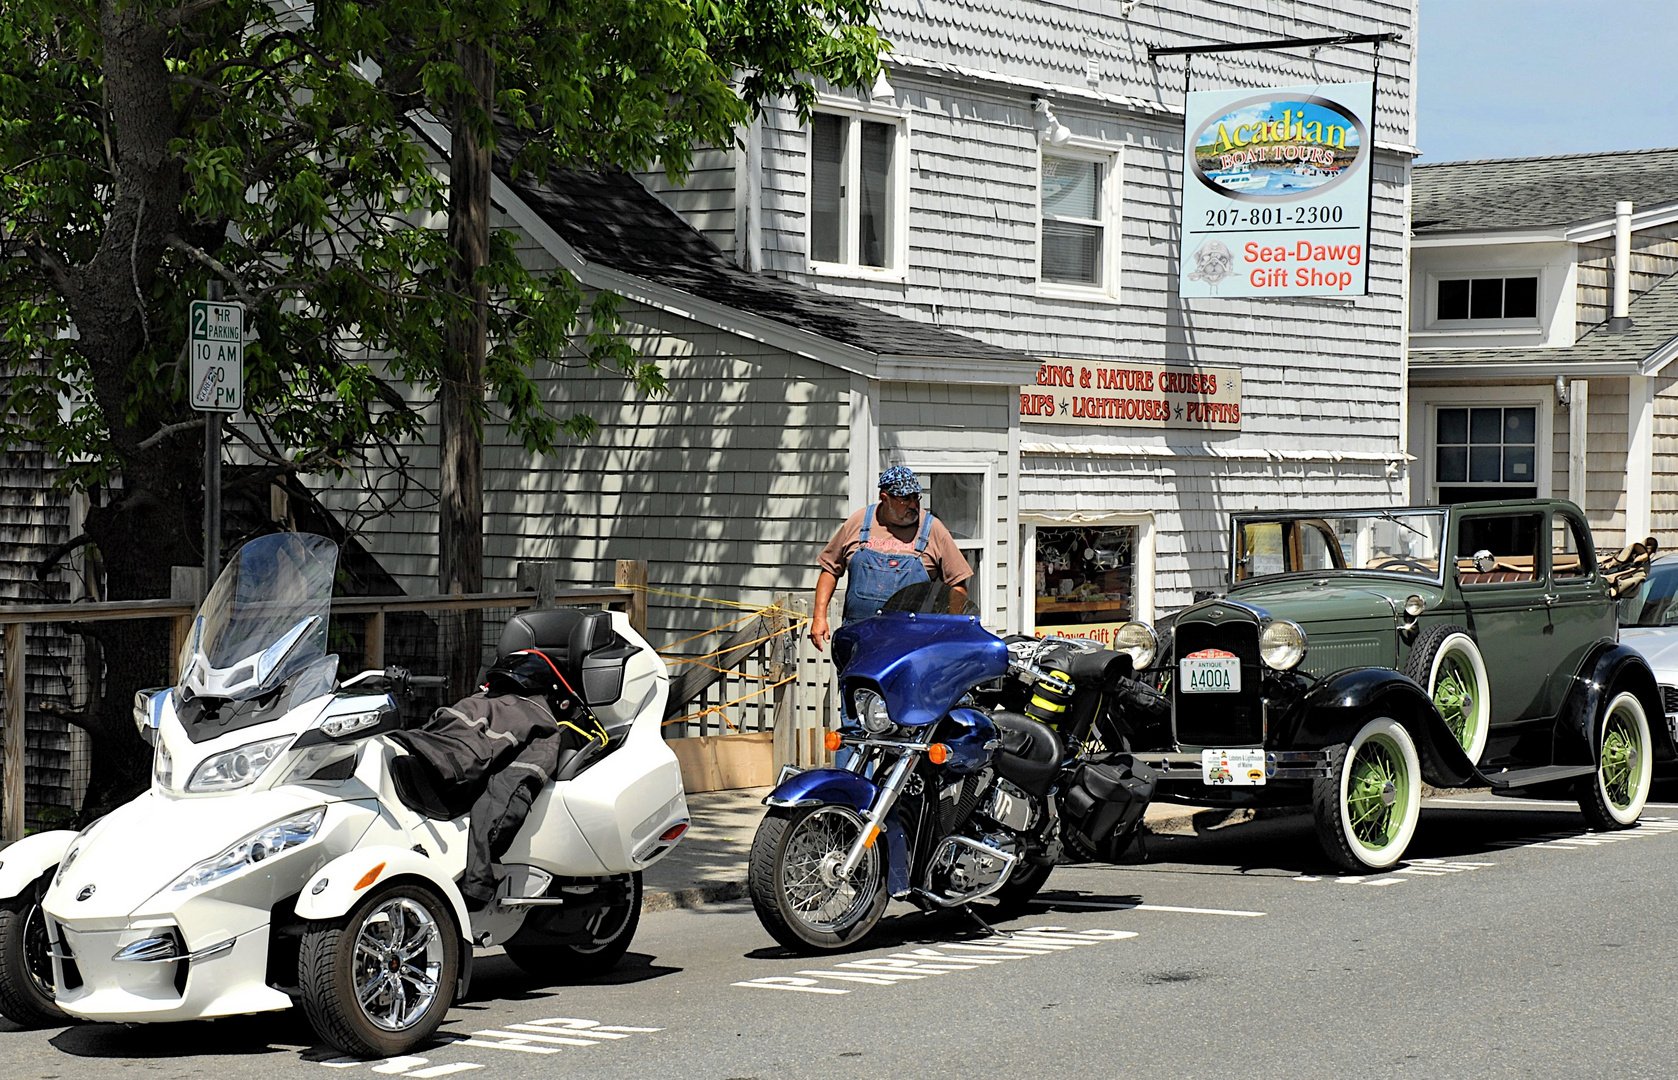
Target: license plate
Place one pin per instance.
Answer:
(1211, 674)
(1232, 768)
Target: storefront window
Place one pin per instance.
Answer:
(1086, 580)
(958, 499)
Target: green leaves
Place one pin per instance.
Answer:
(286, 165)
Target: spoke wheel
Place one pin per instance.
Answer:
(1366, 809)
(794, 878)
(377, 983)
(1614, 797)
(26, 980)
(1447, 663)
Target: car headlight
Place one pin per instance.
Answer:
(265, 843)
(871, 712)
(238, 767)
(1139, 641)
(1282, 645)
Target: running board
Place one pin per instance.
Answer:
(1505, 779)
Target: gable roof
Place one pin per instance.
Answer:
(1552, 192)
(1649, 344)
(611, 220)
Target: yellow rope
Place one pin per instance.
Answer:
(733, 648)
(714, 629)
(651, 590)
(717, 709)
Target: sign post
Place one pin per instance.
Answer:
(216, 337)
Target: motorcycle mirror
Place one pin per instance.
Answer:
(148, 712)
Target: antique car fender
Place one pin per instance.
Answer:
(840, 787)
(1609, 669)
(1332, 711)
(23, 862)
(342, 883)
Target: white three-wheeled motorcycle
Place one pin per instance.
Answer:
(279, 859)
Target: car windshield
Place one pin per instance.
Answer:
(1404, 542)
(1655, 603)
(265, 617)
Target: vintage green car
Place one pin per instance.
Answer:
(1360, 654)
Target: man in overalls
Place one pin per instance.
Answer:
(884, 548)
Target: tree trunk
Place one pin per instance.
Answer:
(460, 513)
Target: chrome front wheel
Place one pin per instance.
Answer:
(379, 982)
(795, 884)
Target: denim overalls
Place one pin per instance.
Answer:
(875, 575)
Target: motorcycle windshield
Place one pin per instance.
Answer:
(264, 619)
(922, 657)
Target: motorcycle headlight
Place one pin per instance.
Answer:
(236, 768)
(1139, 641)
(265, 843)
(1282, 645)
(871, 712)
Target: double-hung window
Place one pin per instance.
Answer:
(856, 201)
(1078, 235)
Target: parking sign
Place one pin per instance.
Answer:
(217, 335)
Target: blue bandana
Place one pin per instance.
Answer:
(899, 480)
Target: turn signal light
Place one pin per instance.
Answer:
(369, 877)
(832, 741)
(938, 753)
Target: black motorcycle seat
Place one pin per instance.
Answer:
(1030, 754)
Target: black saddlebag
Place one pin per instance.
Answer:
(1102, 810)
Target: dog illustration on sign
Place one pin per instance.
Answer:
(1212, 263)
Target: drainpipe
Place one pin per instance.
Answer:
(1621, 319)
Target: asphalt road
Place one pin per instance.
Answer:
(1512, 944)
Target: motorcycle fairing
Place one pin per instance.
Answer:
(837, 787)
(27, 859)
(971, 739)
(923, 664)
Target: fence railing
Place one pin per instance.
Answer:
(390, 629)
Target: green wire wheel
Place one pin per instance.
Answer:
(1447, 663)
(1613, 798)
(1367, 807)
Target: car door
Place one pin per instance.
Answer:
(1580, 609)
(1505, 608)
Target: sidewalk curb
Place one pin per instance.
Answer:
(714, 892)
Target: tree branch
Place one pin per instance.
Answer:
(44, 567)
(167, 430)
(55, 269)
(215, 265)
(186, 12)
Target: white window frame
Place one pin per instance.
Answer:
(1143, 594)
(1111, 157)
(897, 214)
(1426, 406)
(1485, 327)
(992, 611)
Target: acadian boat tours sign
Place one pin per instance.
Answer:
(1276, 191)
(1133, 395)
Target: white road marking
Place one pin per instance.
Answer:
(539, 1036)
(1386, 881)
(944, 958)
(1149, 907)
(444, 1070)
(392, 1066)
(1524, 804)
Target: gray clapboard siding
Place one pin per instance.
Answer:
(1605, 463)
(705, 198)
(1654, 256)
(1663, 517)
(727, 487)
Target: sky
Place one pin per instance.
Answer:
(1520, 78)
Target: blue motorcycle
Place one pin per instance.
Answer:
(972, 766)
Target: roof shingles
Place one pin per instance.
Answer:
(1538, 192)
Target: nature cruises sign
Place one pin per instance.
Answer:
(1276, 192)
(1133, 394)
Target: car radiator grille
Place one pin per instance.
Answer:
(1328, 657)
(1220, 720)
